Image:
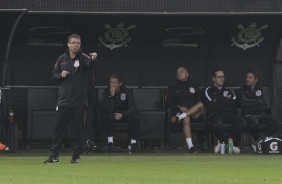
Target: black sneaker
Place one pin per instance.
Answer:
(194, 149)
(74, 160)
(132, 148)
(89, 146)
(110, 147)
(52, 160)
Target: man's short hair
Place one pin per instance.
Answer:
(254, 72)
(216, 70)
(118, 77)
(73, 36)
(183, 68)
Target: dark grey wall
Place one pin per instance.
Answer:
(151, 46)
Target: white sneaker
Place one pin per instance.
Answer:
(217, 148)
(236, 150)
(222, 148)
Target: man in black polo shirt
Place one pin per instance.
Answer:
(220, 103)
(183, 96)
(254, 105)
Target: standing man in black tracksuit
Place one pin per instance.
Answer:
(253, 102)
(119, 105)
(184, 98)
(71, 70)
(220, 103)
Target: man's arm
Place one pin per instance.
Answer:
(109, 102)
(246, 102)
(57, 71)
(90, 61)
(208, 99)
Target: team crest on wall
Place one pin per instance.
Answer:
(116, 37)
(248, 37)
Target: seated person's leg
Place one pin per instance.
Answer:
(216, 126)
(253, 126)
(198, 113)
(237, 126)
(109, 122)
(133, 123)
(188, 135)
(194, 111)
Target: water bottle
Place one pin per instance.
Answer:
(230, 145)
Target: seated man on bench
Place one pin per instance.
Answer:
(220, 103)
(254, 105)
(183, 96)
(119, 105)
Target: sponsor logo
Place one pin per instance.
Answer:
(49, 30)
(274, 147)
(248, 37)
(259, 148)
(42, 35)
(177, 36)
(39, 42)
(116, 37)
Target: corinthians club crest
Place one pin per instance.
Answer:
(248, 37)
(115, 37)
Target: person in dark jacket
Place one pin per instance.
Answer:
(119, 105)
(183, 95)
(220, 103)
(253, 102)
(2, 128)
(71, 70)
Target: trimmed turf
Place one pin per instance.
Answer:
(143, 168)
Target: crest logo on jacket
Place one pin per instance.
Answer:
(258, 93)
(192, 90)
(122, 96)
(225, 94)
(76, 63)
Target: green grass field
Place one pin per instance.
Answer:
(143, 168)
